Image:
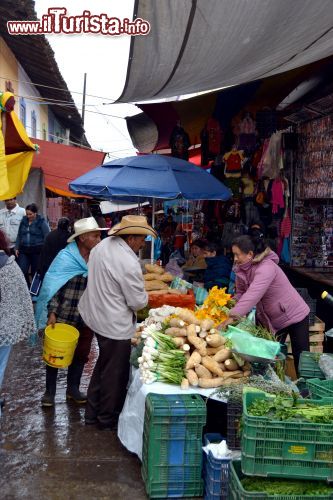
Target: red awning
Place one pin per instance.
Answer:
(62, 164)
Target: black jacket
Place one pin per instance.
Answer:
(55, 241)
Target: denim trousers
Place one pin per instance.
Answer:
(28, 262)
(4, 356)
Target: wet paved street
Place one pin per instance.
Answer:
(50, 453)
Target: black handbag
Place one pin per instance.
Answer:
(36, 284)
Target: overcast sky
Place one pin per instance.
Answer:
(104, 59)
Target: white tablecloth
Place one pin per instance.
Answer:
(131, 419)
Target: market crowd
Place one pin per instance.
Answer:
(91, 278)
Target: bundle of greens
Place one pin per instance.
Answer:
(277, 487)
(256, 330)
(234, 393)
(280, 408)
(142, 314)
(161, 360)
(136, 353)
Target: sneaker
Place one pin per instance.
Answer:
(76, 396)
(47, 399)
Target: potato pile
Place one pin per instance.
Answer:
(209, 363)
(156, 280)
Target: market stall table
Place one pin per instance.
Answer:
(316, 280)
(131, 419)
(322, 275)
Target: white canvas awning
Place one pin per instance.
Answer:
(200, 45)
(108, 207)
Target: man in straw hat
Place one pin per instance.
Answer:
(63, 285)
(114, 293)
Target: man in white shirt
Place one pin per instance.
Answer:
(10, 219)
(114, 293)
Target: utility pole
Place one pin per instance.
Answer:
(84, 97)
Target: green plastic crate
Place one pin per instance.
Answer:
(172, 445)
(237, 491)
(320, 389)
(308, 365)
(294, 449)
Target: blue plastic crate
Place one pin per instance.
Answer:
(215, 471)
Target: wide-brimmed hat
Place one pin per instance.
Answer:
(83, 226)
(133, 224)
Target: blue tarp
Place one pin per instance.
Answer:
(150, 176)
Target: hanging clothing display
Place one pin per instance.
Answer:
(247, 125)
(256, 157)
(214, 136)
(247, 136)
(211, 139)
(272, 157)
(234, 185)
(179, 143)
(260, 166)
(248, 186)
(285, 232)
(277, 199)
(233, 163)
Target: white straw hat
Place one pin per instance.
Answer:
(133, 224)
(83, 226)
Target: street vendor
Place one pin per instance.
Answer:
(261, 283)
(115, 292)
(62, 288)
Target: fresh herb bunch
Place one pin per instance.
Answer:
(281, 408)
(256, 330)
(277, 487)
(234, 393)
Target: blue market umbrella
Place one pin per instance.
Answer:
(150, 176)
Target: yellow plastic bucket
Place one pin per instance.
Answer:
(59, 345)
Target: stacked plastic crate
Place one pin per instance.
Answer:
(283, 449)
(172, 445)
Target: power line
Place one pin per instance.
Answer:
(77, 143)
(57, 88)
(66, 104)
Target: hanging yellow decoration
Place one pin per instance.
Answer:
(16, 149)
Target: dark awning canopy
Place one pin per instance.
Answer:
(200, 45)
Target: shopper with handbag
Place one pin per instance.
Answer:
(30, 239)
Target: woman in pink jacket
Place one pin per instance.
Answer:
(261, 283)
